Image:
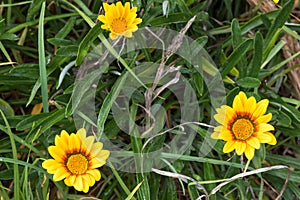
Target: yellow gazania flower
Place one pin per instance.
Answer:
(244, 125)
(119, 20)
(76, 158)
(276, 1)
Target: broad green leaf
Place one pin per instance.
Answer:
(60, 42)
(236, 56)
(237, 39)
(68, 51)
(248, 82)
(256, 62)
(6, 108)
(172, 18)
(280, 20)
(66, 29)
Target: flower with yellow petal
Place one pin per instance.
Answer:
(244, 126)
(119, 20)
(76, 158)
(276, 1)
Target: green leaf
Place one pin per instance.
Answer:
(66, 29)
(40, 123)
(8, 36)
(248, 82)
(82, 89)
(236, 56)
(256, 62)
(60, 42)
(108, 102)
(168, 189)
(86, 43)
(172, 18)
(68, 51)
(280, 20)
(237, 39)
(283, 119)
(6, 108)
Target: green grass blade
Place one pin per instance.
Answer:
(17, 188)
(86, 43)
(14, 4)
(32, 166)
(136, 141)
(121, 182)
(34, 22)
(5, 52)
(130, 196)
(42, 61)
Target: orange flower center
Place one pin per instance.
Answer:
(77, 163)
(242, 128)
(118, 25)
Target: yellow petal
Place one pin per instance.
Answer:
(119, 9)
(263, 127)
(96, 148)
(137, 21)
(229, 112)
(100, 159)
(126, 9)
(88, 179)
(273, 139)
(106, 7)
(75, 143)
(263, 137)
(102, 19)
(261, 108)
(220, 118)
(226, 135)
(57, 153)
(264, 118)
(239, 102)
(215, 135)
(51, 165)
(87, 142)
(250, 105)
(61, 144)
(128, 34)
(85, 187)
(95, 173)
(78, 184)
(229, 146)
(70, 180)
(240, 147)
(254, 142)
(113, 36)
(249, 152)
(60, 174)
